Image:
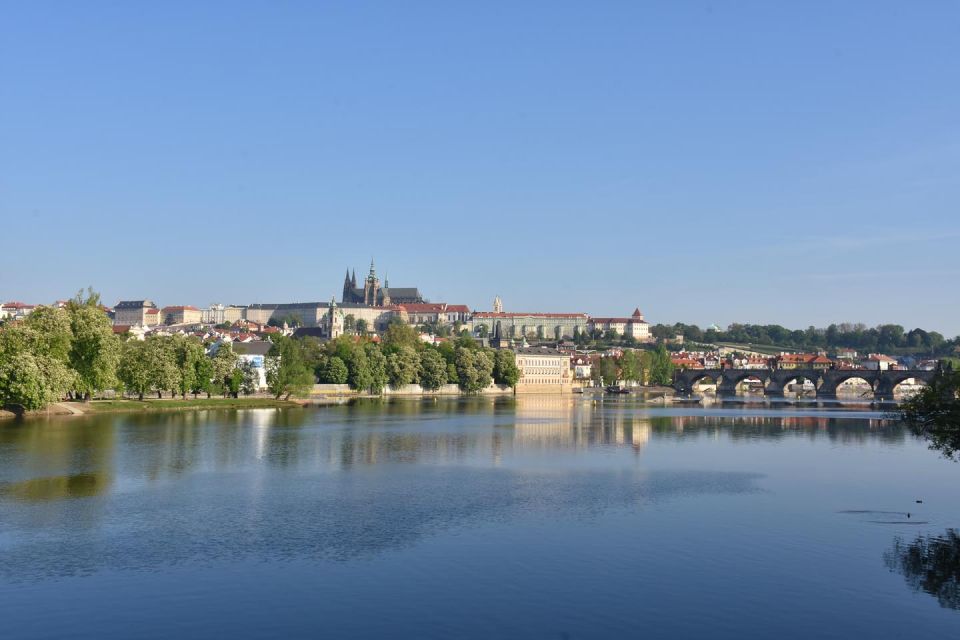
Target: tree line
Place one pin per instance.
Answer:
(885, 338)
(640, 366)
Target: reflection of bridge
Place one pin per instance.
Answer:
(775, 381)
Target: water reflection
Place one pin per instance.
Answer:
(930, 564)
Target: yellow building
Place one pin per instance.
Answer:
(543, 370)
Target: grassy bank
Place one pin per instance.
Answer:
(154, 404)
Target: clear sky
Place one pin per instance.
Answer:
(722, 162)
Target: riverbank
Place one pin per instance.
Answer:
(154, 405)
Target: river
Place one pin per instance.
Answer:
(536, 517)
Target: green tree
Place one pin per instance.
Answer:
(288, 372)
(474, 369)
(29, 382)
(361, 325)
(377, 366)
(223, 362)
(661, 367)
(433, 370)
(630, 366)
(161, 358)
(335, 371)
(134, 367)
(403, 366)
(358, 369)
(186, 352)
(51, 333)
(399, 334)
(505, 369)
(934, 413)
(203, 376)
(94, 350)
(607, 371)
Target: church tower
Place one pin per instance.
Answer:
(371, 287)
(347, 288)
(334, 320)
(497, 305)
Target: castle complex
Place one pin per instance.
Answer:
(373, 295)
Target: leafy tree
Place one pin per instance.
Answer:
(335, 371)
(51, 333)
(134, 368)
(349, 323)
(203, 376)
(161, 360)
(361, 325)
(403, 367)
(630, 366)
(30, 382)
(186, 353)
(399, 334)
(433, 370)
(934, 413)
(452, 376)
(474, 369)
(505, 369)
(250, 382)
(234, 382)
(607, 370)
(661, 367)
(358, 368)
(377, 367)
(483, 331)
(287, 370)
(94, 350)
(223, 362)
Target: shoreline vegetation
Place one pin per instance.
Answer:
(95, 407)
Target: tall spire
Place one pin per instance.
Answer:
(373, 271)
(353, 280)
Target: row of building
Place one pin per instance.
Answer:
(845, 359)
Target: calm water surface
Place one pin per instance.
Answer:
(534, 518)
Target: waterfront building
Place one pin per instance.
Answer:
(136, 313)
(582, 367)
(181, 315)
(255, 353)
(879, 362)
(543, 370)
(634, 326)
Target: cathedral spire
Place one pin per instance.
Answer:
(353, 280)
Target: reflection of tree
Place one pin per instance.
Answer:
(931, 564)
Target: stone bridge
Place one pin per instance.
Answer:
(775, 381)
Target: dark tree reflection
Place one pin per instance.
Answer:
(930, 564)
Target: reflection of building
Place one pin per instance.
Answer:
(543, 370)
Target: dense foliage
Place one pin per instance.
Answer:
(885, 338)
(934, 413)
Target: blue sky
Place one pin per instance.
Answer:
(722, 162)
